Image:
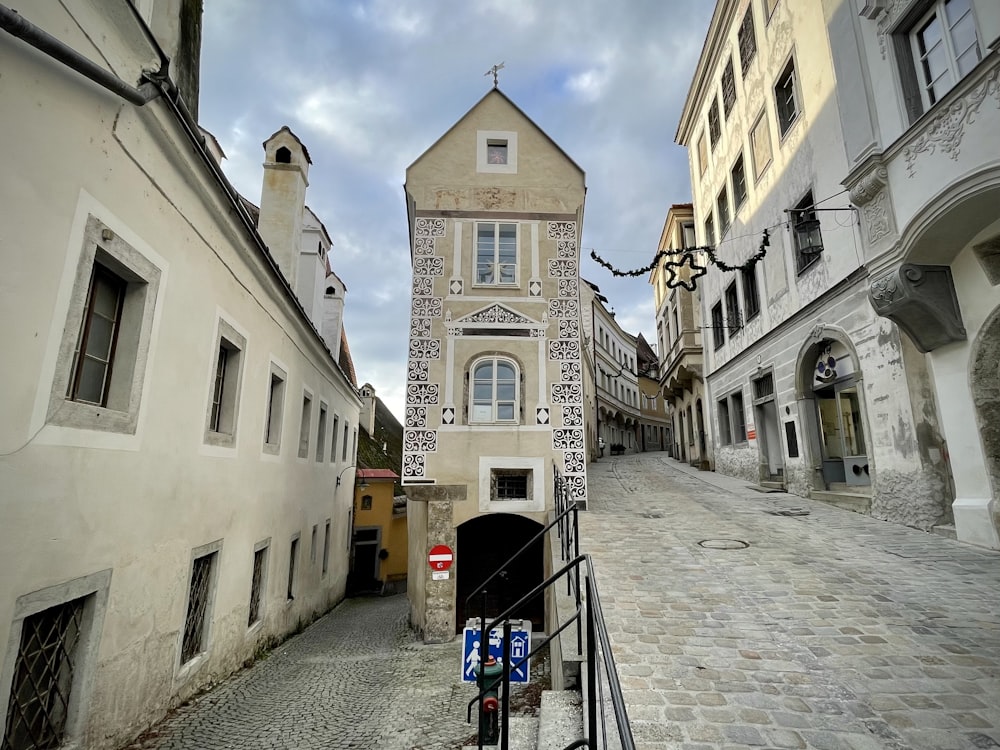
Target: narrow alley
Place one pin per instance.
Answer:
(739, 619)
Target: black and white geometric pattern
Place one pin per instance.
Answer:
(420, 441)
(448, 415)
(416, 416)
(541, 415)
(569, 435)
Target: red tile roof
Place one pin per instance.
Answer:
(376, 474)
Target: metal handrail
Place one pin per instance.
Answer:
(597, 636)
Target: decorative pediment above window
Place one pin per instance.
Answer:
(496, 320)
(922, 301)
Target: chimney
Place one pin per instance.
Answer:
(282, 199)
(367, 417)
(176, 24)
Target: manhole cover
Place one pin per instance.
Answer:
(724, 544)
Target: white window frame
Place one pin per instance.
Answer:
(536, 483)
(235, 342)
(937, 9)
(473, 419)
(796, 97)
(102, 246)
(486, 138)
(274, 409)
(496, 254)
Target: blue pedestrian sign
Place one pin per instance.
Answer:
(520, 646)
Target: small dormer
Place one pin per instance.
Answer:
(284, 150)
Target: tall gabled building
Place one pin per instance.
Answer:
(494, 404)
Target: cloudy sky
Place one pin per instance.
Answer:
(368, 85)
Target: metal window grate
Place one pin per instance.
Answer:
(512, 487)
(194, 623)
(764, 386)
(256, 583)
(43, 678)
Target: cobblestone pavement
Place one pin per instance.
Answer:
(357, 678)
(831, 630)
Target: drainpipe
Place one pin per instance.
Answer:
(12, 22)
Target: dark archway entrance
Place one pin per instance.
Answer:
(484, 544)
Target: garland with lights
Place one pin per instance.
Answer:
(687, 258)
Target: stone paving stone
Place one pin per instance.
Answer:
(831, 630)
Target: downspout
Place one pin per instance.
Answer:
(14, 24)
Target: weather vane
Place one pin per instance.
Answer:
(493, 72)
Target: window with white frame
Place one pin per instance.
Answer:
(275, 409)
(786, 98)
(508, 484)
(227, 376)
(496, 151)
(102, 357)
(494, 389)
(936, 52)
(496, 253)
(760, 144)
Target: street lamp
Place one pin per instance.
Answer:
(363, 486)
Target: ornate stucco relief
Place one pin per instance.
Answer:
(871, 194)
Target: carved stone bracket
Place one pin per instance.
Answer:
(870, 192)
(922, 301)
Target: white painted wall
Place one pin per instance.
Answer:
(79, 501)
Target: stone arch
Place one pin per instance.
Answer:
(984, 385)
(808, 406)
(486, 542)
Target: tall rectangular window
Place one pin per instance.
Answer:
(333, 438)
(255, 613)
(702, 155)
(786, 99)
(747, 40)
(95, 351)
(44, 675)
(722, 208)
(739, 418)
(728, 88)
(725, 428)
(305, 425)
(710, 231)
(326, 547)
(496, 253)
(945, 47)
(718, 326)
(805, 253)
(733, 321)
(751, 295)
(196, 621)
(312, 543)
(714, 125)
(347, 432)
(227, 376)
(275, 407)
(760, 144)
(739, 177)
(293, 554)
(321, 434)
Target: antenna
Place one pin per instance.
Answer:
(493, 72)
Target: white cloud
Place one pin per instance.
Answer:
(344, 112)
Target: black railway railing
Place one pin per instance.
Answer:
(607, 724)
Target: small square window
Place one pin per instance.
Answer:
(510, 484)
(366, 502)
(496, 152)
(786, 98)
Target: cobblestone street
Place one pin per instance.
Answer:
(356, 679)
(831, 630)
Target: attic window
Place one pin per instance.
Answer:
(496, 151)
(283, 156)
(331, 291)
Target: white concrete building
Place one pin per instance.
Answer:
(807, 386)
(176, 427)
(919, 103)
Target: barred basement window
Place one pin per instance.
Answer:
(199, 595)
(257, 585)
(510, 484)
(43, 677)
(763, 387)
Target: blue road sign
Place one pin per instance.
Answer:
(520, 646)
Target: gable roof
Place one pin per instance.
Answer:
(297, 140)
(497, 92)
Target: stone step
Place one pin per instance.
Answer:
(856, 501)
(773, 485)
(560, 719)
(523, 734)
(946, 530)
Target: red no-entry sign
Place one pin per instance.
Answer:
(440, 557)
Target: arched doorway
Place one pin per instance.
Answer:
(985, 384)
(484, 544)
(829, 378)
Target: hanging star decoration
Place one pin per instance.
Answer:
(688, 258)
